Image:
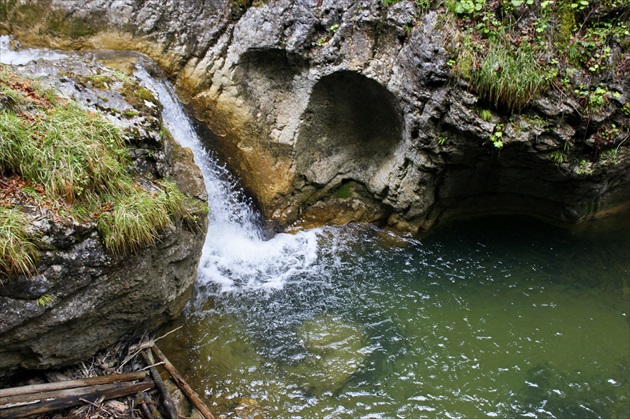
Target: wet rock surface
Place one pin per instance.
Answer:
(83, 298)
(306, 96)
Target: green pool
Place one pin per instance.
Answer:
(506, 317)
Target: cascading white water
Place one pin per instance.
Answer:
(24, 56)
(235, 255)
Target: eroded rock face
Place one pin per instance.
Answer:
(83, 298)
(308, 97)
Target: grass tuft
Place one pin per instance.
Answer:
(138, 216)
(68, 150)
(509, 78)
(134, 222)
(18, 253)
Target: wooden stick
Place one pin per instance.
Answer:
(145, 411)
(118, 390)
(181, 383)
(159, 383)
(55, 394)
(155, 414)
(60, 385)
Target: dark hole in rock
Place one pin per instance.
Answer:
(351, 125)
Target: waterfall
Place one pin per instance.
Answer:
(24, 56)
(235, 256)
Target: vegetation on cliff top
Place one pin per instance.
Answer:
(57, 156)
(511, 52)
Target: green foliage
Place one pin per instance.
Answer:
(465, 7)
(485, 114)
(584, 168)
(423, 6)
(626, 109)
(592, 49)
(18, 253)
(518, 3)
(388, 3)
(331, 31)
(508, 78)
(610, 156)
(43, 300)
(595, 99)
(467, 58)
(511, 50)
(558, 156)
(80, 159)
(442, 138)
(497, 136)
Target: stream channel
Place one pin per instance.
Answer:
(496, 316)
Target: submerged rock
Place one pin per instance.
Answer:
(84, 298)
(307, 96)
(335, 352)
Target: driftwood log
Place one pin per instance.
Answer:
(159, 383)
(39, 399)
(63, 399)
(61, 385)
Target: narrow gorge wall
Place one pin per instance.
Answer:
(338, 111)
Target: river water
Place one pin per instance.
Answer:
(497, 316)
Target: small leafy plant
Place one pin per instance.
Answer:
(497, 136)
(558, 156)
(43, 300)
(584, 168)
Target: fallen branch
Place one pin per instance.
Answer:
(159, 383)
(61, 385)
(181, 383)
(106, 391)
(150, 406)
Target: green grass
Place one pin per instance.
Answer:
(82, 166)
(509, 78)
(68, 150)
(138, 216)
(18, 253)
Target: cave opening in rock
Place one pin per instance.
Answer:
(350, 127)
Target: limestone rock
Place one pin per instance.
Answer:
(307, 95)
(83, 298)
